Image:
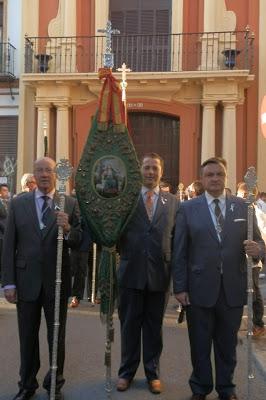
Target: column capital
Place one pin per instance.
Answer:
(63, 105)
(230, 103)
(43, 105)
(209, 103)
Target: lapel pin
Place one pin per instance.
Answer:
(232, 207)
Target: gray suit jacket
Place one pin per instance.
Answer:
(199, 256)
(146, 247)
(29, 254)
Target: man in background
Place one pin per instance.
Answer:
(258, 306)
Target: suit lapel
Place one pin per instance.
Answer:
(228, 216)
(30, 208)
(141, 210)
(205, 216)
(162, 200)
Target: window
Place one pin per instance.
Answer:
(144, 40)
(3, 7)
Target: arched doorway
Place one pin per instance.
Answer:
(159, 133)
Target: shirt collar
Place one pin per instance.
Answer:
(210, 198)
(39, 194)
(155, 190)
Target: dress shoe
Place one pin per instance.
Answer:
(74, 302)
(258, 331)
(155, 386)
(198, 396)
(122, 384)
(229, 397)
(24, 394)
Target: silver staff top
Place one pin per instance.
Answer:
(108, 57)
(63, 171)
(251, 181)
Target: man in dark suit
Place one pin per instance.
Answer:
(144, 276)
(210, 278)
(29, 271)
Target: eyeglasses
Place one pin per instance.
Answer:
(46, 170)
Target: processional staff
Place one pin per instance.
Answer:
(180, 191)
(45, 138)
(108, 62)
(123, 85)
(251, 182)
(63, 171)
(94, 267)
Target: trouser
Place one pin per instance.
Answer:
(79, 268)
(29, 319)
(141, 316)
(217, 326)
(258, 306)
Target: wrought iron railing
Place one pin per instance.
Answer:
(7, 60)
(205, 51)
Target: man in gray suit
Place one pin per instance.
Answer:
(29, 271)
(210, 278)
(144, 276)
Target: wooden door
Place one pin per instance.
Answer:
(157, 133)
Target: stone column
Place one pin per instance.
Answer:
(229, 142)
(208, 130)
(62, 131)
(43, 127)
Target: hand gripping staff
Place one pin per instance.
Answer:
(63, 171)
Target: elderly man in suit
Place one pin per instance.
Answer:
(144, 276)
(210, 278)
(29, 271)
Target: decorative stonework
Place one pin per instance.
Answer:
(217, 18)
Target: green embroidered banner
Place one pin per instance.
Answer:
(108, 183)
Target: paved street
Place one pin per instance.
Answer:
(84, 371)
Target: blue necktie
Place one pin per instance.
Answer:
(45, 210)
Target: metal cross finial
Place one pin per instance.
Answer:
(123, 84)
(108, 57)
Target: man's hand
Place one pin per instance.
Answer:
(182, 298)
(252, 248)
(62, 220)
(11, 295)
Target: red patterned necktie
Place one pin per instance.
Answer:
(149, 203)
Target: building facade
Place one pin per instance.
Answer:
(10, 34)
(194, 91)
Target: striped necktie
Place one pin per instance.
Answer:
(45, 210)
(219, 216)
(149, 203)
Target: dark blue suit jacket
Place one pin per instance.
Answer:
(145, 247)
(30, 255)
(199, 257)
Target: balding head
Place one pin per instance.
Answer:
(44, 172)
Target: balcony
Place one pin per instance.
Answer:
(207, 51)
(7, 58)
